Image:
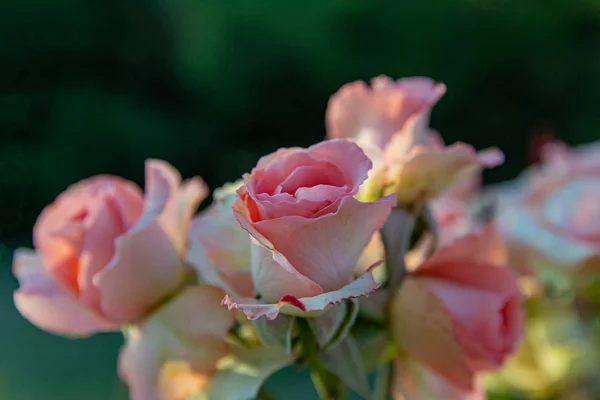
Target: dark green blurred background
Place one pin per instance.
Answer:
(90, 87)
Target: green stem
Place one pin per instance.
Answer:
(396, 234)
(327, 384)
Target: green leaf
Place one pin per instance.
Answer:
(352, 308)
(277, 332)
(344, 360)
(325, 326)
(335, 324)
(383, 381)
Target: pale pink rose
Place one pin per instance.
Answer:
(105, 254)
(379, 112)
(219, 249)
(299, 206)
(553, 210)
(172, 354)
(389, 114)
(461, 311)
(390, 121)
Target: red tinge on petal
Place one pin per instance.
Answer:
(293, 301)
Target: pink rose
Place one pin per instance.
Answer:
(461, 311)
(173, 353)
(553, 210)
(105, 254)
(390, 121)
(299, 206)
(379, 112)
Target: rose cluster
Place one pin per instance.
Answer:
(358, 255)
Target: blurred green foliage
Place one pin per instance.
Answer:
(90, 87)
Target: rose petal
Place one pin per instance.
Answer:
(296, 184)
(326, 249)
(269, 176)
(176, 201)
(73, 200)
(486, 246)
(517, 223)
(309, 176)
(321, 193)
(265, 160)
(478, 314)
(348, 157)
(177, 338)
(47, 304)
(414, 381)
(482, 296)
(272, 272)
(273, 281)
(84, 221)
(145, 269)
(424, 329)
(425, 173)
(362, 286)
(102, 226)
(147, 265)
(381, 111)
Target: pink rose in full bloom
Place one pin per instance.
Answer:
(390, 121)
(552, 212)
(461, 311)
(105, 254)
(299, 206)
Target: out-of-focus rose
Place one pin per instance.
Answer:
(414, 381)
(425, 172)
(375, 114)
(105, 254)
(299, 206)
(461, 311)
(173, 353)
(390, 121)
(552, 212)
(219, 249)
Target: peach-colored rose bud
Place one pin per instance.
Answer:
(299, 206)
(105, 254)
(461, 311)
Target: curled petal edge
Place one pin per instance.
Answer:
(306, 306)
